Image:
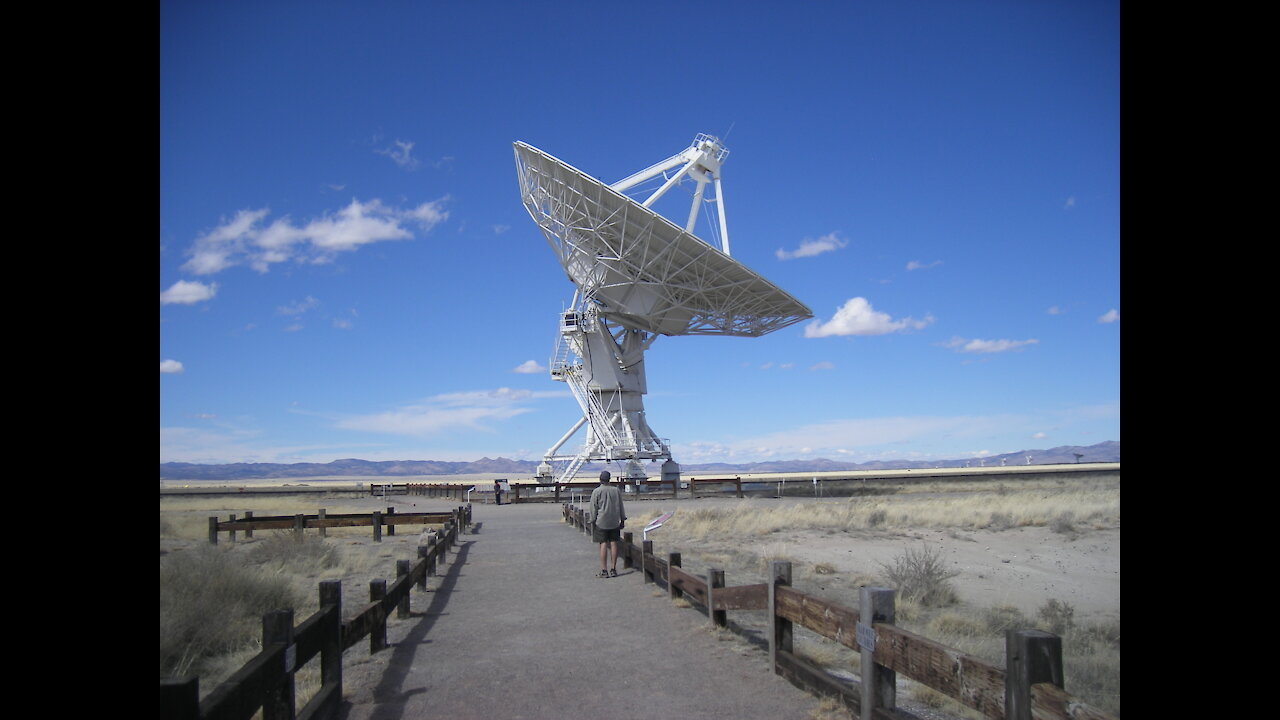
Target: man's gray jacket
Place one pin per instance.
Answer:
(606, 510)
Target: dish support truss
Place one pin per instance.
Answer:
(603, 365)
(638, 275)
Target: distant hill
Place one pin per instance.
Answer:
(1102, 452)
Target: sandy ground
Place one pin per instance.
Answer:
(1023, 567)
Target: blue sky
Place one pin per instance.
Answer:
(346, 269)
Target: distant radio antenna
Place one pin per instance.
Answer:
(637, 275)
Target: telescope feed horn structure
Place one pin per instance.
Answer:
(637, 275)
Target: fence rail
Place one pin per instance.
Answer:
(457, 491)
(1029, 688)
(266, 682)
(323, 521)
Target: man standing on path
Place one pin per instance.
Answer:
(607, 518)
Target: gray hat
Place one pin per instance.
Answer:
(604, 476)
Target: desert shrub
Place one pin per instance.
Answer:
(876, 518)
(212, 603)
(1000, 618)
(921, 575)
(288, 549)
(1000, 521)
(1063, 523)
(952, 624)
(1057, 616)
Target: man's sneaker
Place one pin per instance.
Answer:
(613, 572)
(603, 574)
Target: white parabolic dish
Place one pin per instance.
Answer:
(645, 271)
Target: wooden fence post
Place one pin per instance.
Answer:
(431, 555)
(331, 652)
(213, 530)
(673, 560)
(248, 516)
(277, 629)
(627, 561)
(180, 698)
(402, 608)
(391, 529)
(879, 683)
(646, 551)
(299, 524)
(422, 579)
(1031, 656)
(320, 517)
(715, 580)
(232, 534)
(780, 630)
(378, 633)
(377, 526)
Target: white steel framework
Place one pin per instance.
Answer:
(638, 275)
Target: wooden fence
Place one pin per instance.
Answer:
(322, 520)
(549, 492)
(457, 491)
(538, 492)
(1030, 687)
(266, 682)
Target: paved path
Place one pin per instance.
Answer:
(517, 628)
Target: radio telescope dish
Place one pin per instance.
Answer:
(637, 275)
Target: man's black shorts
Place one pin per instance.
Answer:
(601, 535)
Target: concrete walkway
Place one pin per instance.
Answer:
(516, 627)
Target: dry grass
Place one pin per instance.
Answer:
(967, 505)
(744, 538)
(212, 597)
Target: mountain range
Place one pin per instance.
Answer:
(1102, 452)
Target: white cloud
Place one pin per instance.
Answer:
(917, 265)
(529, 367)
(299, 307)
(243, 240)
(860, 440)
(170, 366)
(1110, 316)
(401, 152)
(1055, 310)
(975, 345)
(823, 365)
(810, 247)
(857, 317)
(346, 323)
(475, 410)
(186, 292)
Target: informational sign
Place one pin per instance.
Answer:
(866, 637)
(657, 523)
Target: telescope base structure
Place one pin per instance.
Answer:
(603, 365)
(637, 275)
